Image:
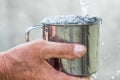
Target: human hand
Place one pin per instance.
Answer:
(29, 61)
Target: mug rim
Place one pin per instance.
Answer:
(80, 24)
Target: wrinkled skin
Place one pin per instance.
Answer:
(29, 61)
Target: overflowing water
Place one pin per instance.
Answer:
(71, 19)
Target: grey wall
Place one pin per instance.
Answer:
(17, 15)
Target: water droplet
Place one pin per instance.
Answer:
(117, 72)
(107, 57)
(113, 77)
(103, 43)
(94, 77)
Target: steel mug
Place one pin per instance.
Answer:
(86, 34)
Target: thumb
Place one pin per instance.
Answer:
(61, 50)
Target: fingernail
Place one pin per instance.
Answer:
(79, 48)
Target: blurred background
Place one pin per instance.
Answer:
(17, 15)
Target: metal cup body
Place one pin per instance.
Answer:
(87, 35)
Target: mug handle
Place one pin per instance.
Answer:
(27, 38)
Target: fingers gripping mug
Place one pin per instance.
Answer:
(73, 29)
